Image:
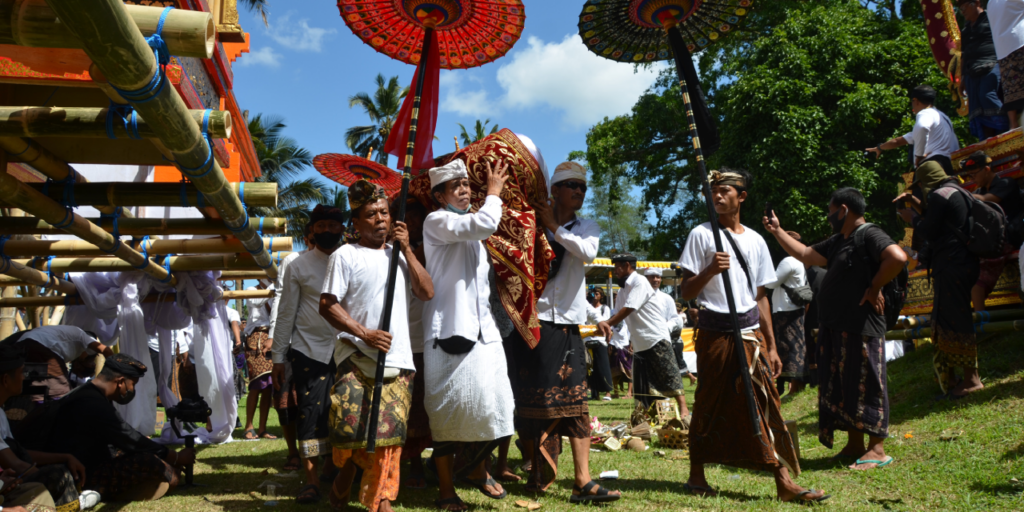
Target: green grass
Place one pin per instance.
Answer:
(972, 472)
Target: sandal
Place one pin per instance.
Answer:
(482, 483)
(250, 435)
(337, 502)
(308, 495)
(699, 490)
(448, 503)
(879, 464)
(584, 496)
(293, 463)
(266, 435)
(800, 500)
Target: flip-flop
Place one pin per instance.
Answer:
(481, 485)
(266, 435)
(878, 464)
(304, 498)
(292, 464)
(442, 504)
(699, 490)
(798, 499)
(584, 496)
(255, 436)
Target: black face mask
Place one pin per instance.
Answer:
(836, 222)
(327, 240)
(127, 397)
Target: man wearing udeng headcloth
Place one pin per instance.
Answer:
(352, 300)
(721, 431)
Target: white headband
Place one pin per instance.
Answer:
(453, 170)
(569, 171)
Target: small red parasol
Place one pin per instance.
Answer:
(348, 169)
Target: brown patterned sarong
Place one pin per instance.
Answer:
(953, 322)
(127, 473)
(519, 249)
(350, 408)
(256, 359)
(720, 432)
(1011, 69)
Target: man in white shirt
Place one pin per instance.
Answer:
(646, 315)
(467, 401)
(304, 338)
(257, 348)
(600, 380)
(352, 301)
(551, 383)
(1007, 18)
(673, 319)
(788, 322)
(933, 137)
(721, 431)
(56, 346)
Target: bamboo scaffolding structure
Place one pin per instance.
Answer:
(34, 24)
(7, 315)
(112, 40)
(92, 122)
(984, 317)
(35, 203)
(30, 152)
(28, 276)
(57, 315)
(66, 300)
(981, 328)
(78, 248)
(241, 275)
(178, 263)
(129, 194)
(18, 321)
(142, 227)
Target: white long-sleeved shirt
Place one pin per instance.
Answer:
(564, 300)
(647, 323)
(279, 284)
(258, 314)
(1007, 19)
(458, 264)
(790, 273)
(299, 324)
(667, 306)
(596, 315)
(932, 134)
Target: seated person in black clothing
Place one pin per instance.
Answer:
(120, 463)
(58, 472)
(1006, 193)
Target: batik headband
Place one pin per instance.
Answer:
(122, 364)
(363, 193)
(728, 178)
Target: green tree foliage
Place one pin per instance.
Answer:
(614, 206)
(281, 161)
(382, 108)
(479, 132)
(258, 7)
(798, 92)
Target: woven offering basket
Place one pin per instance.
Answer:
(673, 438)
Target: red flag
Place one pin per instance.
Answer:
(423, 157)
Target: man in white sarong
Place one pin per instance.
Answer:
(469, 403)
(304, 338)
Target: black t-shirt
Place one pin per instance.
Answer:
(948, 208)
(979, 51)
(1008, 192)
(815, 276)
(846, 279)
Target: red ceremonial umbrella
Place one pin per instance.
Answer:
(454, 34)
(348, 169)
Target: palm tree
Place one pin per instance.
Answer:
(281, 161)
(259, 7)
(382, 110)
(479, 132)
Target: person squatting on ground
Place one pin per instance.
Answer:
(57, 346)
(120, 463)
(720, 432)
(654, 361)
(469, 404)
(352, 301)
(306, 340)
(939, 212)
(854, 392)
(788, 322)
(550, 385)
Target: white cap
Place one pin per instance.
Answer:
(453, 170)
(652, 271)
(569, 171)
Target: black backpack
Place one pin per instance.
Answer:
(894, 292)
(986, 226)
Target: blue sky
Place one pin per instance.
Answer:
(307, 63)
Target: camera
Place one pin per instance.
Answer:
(35, 372)
(189, 411)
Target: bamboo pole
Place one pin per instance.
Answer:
(67, 300)
(91, 122)
(7, 315)
(58, 314)
(17, 274)
(18, 321)
(35, 203)
(142, 227)
(240, 275)
(984, 317)
(113, 42)
(31, 248)
(984, 328)
(32, 23)
(129, 194)
(178, 263)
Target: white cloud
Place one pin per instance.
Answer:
(297, 35)
(568, 77)
(265, 56)
(474, 104)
